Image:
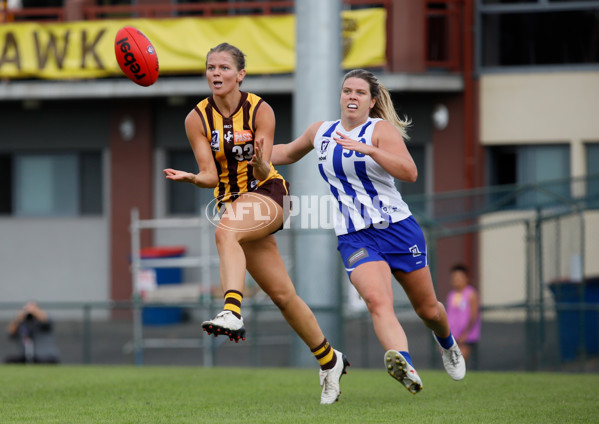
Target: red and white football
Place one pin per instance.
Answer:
(136, 56)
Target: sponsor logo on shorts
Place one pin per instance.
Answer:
(415, 251)
(357, 255)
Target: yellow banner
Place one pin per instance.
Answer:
(75, 50)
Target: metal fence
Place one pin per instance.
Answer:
(553, 226)
(512, 344)
(554, 325)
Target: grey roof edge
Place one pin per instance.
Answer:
(15, 90)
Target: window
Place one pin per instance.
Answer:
(536, 174)
(417, 151)
(90, 186)
(592, 155)
(5, 184)
(56, 184)
(413, 193)
(539, 34)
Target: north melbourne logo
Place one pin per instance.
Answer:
(415, 251)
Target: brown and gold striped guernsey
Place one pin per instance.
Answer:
(232, 142)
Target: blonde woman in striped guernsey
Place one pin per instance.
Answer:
(222, 130)
(359, 156)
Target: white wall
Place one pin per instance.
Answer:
(503, 254)
(54, 260)
(503, 258)
(528, 108)
(591, 223)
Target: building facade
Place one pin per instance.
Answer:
(76, 156)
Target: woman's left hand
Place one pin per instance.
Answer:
(257, 160)
(350, 144)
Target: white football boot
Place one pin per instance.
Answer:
(227, 324)
(453, 361)
(329, 380)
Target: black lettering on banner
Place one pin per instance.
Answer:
(349, 27)
(90, 49)
(53, 49)
(10, 51)
(44, 52)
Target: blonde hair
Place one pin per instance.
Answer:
(236, 54)
(383, 107)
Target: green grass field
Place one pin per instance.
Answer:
(108, 394)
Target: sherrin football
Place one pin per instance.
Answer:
(136, 56)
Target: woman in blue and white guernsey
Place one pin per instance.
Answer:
(359, 156)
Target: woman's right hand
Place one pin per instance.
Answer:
(182, 176)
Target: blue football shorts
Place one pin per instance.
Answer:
(401, 245)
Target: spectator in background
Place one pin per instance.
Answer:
(32, 329)
(463, 310)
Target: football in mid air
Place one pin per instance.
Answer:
(136, 56)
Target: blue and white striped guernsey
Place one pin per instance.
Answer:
(363, 191)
